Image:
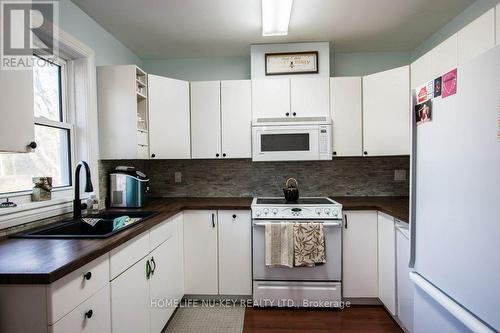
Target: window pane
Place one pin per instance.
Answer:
(51, 159)
(47, 89)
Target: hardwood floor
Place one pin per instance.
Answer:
(357, 319)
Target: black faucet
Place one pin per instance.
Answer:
(77, 203)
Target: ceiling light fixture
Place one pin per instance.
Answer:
(276, 17)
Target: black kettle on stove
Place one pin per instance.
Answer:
(291, 190)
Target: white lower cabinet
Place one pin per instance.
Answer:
(217, 252)
(387, 262)
(200, 252)
(360, 276)
(130, 300)
(235, 252)
(92, 316)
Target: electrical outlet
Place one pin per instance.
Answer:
(400, 175)
(178, 177)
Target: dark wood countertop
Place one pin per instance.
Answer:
(43, 261)
(398, 207)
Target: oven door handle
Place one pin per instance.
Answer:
(325, 224)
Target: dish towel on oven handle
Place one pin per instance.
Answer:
(279, 244)
(309, 244)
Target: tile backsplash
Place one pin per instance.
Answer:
(348, 176)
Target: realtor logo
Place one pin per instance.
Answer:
(27, 27)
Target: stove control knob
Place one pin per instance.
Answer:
(327, 211)
(318, 211)
(257, 213)
(266, 211)
(275, 211)
(335, 213)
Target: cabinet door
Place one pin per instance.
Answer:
(236, 108)
(235, 253)
(270, 98)
(444, 57)
(130, 302)
(404, 284)
(17, 129)
(92, 316)
(205, 119)
(346, 112)
(162, 283)
(360, 276)
(310, 97)
(387, 262)
(477, 37)
(200, 252)
(169, 121)
(498, 24)
(386, 113)
(421, 70)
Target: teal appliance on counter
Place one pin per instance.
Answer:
(128, 188)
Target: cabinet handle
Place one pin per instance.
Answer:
(89, 314)
(334, 153)
(287, 114)
(32, 145)
(213, 220)
(234, 216)
(294, 114)
(154, 266)
(217, 155)
(87, 276)
(148, 270)
(224, 155)
(153, 155)
(365, 153)
(345, 218)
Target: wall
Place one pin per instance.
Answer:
(200, 69)
(354, 176)
(364, 63)
(472, 12)
(108, 49)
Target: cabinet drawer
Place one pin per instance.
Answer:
(164, 231)
(128, 254)
(66, 293)
(142, 138)
(82, 320)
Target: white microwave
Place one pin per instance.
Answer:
(307, 139)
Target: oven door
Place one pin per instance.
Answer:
(285, 143)
(330, 271)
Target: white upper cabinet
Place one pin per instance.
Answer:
(359, 253)
(236, 108)
(387, 261)
(123, 112)
(270, 98)
(235, 252)
(421, 70)
(200, 252)
(346, 113)
(443, 57)
(498, 24)
(310, 97)
(205, 119)
(169, 128)
(477, 37)
(17, 129)
(386, 113)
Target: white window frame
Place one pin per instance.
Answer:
(81, 105)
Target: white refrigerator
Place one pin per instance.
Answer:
(455, 205)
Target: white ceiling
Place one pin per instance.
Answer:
(198, 28)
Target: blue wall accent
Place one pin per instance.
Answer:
(108, 49)
(472, 12)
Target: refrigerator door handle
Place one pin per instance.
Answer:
(413, 179)
(455, 309)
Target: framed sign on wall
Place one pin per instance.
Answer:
(292, 63)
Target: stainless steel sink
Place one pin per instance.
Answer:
(78, 229)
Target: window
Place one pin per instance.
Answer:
(52, 157)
